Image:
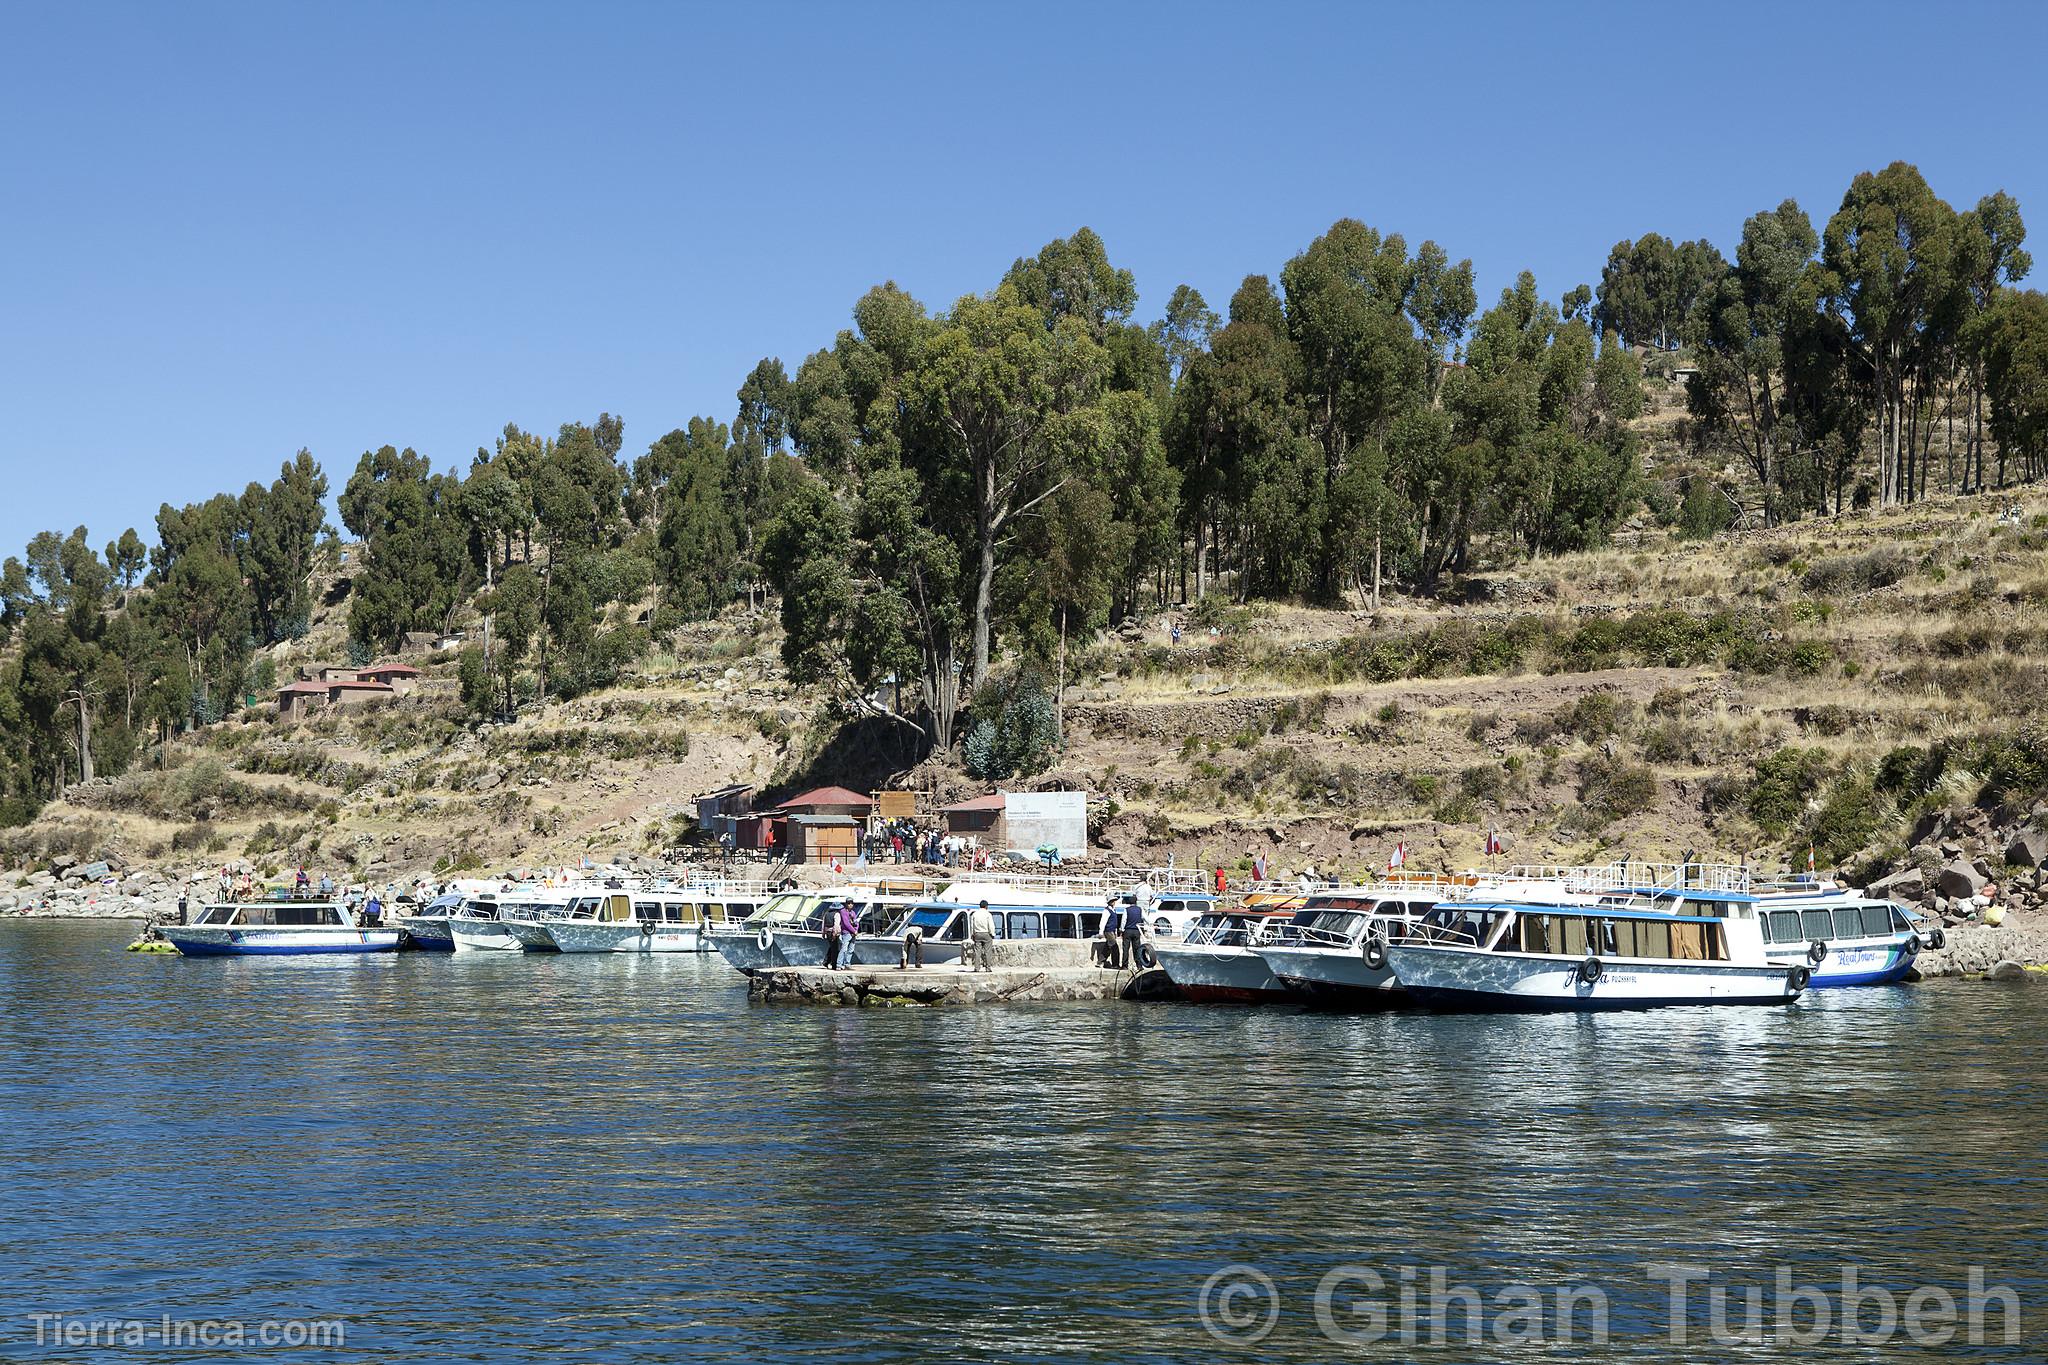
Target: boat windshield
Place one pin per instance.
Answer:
(216, 914)
(1221, 930)
(929, 918)
(1330, 927)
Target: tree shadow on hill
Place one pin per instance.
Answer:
(863, 756)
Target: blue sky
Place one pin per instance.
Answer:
(230, 231)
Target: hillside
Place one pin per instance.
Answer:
(1832, 681)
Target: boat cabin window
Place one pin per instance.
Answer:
(929, 918)
(292, 916)
(1576, 935)
(1817, 923)
(1782, 926)
(1091, 923)
(216, 914)
(1062, 924)
(1877, 920)
(1849, 923)
(1021, 924)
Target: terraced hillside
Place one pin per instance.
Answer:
(1829, 682)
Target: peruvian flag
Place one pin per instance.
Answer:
(1493, 843)
(1398, 858)
(1809, 857)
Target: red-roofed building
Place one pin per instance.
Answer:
(827, 801)
(980, 818)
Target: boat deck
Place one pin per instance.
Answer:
(948, 985)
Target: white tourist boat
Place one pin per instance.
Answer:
(1629, 949)
(1844, 938)
(277, 928)
(1216, 961)
(1019, 911)
(879, 907)
(673, 919)
(1333, 950)
(427, 927)
(481, 926)
(749, 946)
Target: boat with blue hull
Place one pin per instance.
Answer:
(1845, 939)
(278, 929)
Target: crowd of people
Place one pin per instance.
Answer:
(905, 841)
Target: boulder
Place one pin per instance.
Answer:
(42, 880)
(1959, 880)
(2029, 848)
(60, 861)
(2006, 970)
(1905, 884)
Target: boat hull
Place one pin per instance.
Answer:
(533, 935)
(482, 936)
(1335, 977)
(1437, 976)
(256, 941)
(591, 936)
(886, 950)
(1220, 976)
(743, 952)
(429, 934)
(1877, 965)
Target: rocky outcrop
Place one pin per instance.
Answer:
(2028, 848)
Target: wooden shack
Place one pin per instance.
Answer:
(820, 838)
(980, 819)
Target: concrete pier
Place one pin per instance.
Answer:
(948, 985)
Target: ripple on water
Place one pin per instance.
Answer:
(505, 1156)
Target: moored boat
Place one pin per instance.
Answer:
(1216, 961)
(1843, 938)
(1630, 949)
(652, 920)
(1333, 950)
(277, 928)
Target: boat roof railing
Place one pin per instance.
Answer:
(1629, 874)
(1179, 881)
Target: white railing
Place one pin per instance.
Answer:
(1168, 880)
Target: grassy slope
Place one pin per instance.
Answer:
(1269, 735)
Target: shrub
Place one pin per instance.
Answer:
(1611, 788)
(1593, 716)
(1857, 573)
(1845, 821)
(1785, 782)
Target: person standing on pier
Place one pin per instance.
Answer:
(981, 938)
(1134, 932)
(830, 926)
(849, 929)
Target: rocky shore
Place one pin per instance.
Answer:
(100, 889)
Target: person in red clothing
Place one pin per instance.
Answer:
(1219, 881)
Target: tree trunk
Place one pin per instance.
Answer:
(84, 736)
(1378, 539)
(1059, 690)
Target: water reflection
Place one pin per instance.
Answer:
(496, 1157)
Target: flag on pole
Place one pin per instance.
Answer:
(1809, 859)
(1398, 858)
(1493, 844)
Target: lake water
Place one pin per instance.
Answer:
(504, 1158)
